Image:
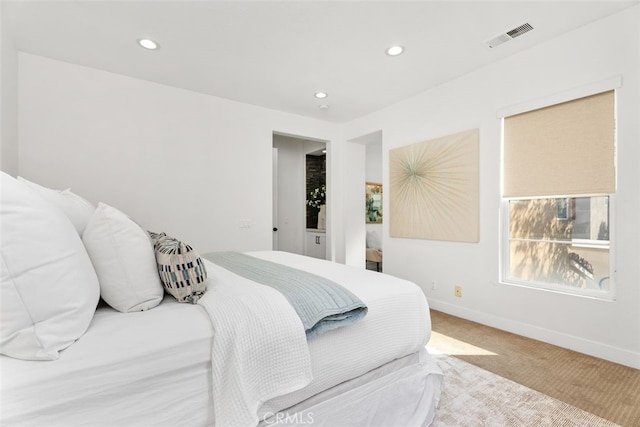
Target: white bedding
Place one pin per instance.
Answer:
(154, 367)
(404, 392)
(259, 348)
(397, 324)
(128, 369)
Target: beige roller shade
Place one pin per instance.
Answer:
(563, 149)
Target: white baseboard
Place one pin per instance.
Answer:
(592, 348)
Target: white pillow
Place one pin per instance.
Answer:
(48, 288)
(76, 208)
(123, 257)
(373, 241)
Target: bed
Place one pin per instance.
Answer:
(191, 364)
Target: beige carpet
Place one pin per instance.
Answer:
(473, 397)
(606, 389)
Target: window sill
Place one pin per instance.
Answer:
(607, 296)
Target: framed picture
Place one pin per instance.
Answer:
(433, 189)
(373, 203)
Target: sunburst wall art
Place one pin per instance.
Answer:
(434, 189)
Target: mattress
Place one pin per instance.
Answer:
(154, 367)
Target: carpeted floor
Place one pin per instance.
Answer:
(606, 389)
(474, 397)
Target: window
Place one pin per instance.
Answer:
(560, 242)
(558, 187)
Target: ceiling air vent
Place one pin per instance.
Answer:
(509, 35)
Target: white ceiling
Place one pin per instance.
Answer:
(278, 54)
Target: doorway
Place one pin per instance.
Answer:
(293, 218)
(373, 175)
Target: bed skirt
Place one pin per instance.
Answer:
(404, 392)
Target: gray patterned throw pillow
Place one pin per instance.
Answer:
(181, 269)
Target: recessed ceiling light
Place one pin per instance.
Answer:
(148, 44)
(320, 95)
(395, 50)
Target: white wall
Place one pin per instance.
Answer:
(192, 165)
(195, 166)
(8, 99)
(590, 54)
(373, 173)
(354, 196)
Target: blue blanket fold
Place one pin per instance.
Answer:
(321, 304)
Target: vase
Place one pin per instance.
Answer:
(322, 217)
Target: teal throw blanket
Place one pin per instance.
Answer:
(321, 304)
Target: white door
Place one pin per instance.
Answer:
(274, 202)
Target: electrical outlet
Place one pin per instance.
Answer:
(434, 285)
(458, 291)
